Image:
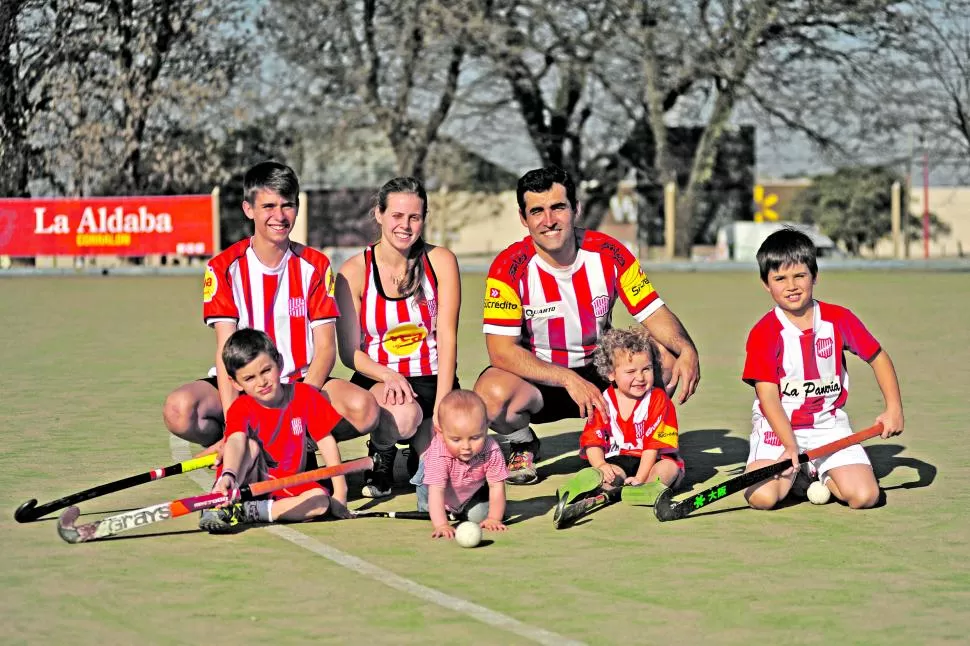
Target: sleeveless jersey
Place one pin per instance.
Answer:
(560, 314)
(808, 365)
(400, 333)
(651, 425)
(286, 301)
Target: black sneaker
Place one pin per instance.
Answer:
(522, 462)
(379, 481)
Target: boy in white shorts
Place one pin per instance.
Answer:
(796, 363)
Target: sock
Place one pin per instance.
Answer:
(521, 436)
(344, 430)
(259, 511)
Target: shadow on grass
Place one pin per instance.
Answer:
(885, 460)
(517, 511)
(704, 450)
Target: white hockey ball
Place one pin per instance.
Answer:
(468, 534)
(818, 494)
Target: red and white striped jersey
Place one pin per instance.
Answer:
(651, 425)
(285, 301)
(400, 333)
(808, 365)
(560, 314)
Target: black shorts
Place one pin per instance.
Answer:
(556, 402)
(426, 388)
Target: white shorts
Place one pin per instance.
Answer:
(765, 445)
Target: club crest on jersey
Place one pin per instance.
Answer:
(433, 307)
(601, 305)
(297, 306)
(546, 311)
(824, 347)
(210, 285)
(638, 429)
(296, 425)
(404, 339)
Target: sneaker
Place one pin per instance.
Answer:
(522, 459)
(378, 482)
(224, 519)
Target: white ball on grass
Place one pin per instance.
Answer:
(468, 534)
(818, 494)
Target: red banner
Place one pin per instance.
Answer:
(106, 226)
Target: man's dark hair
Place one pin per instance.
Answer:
(786, 247)
(244, 346)
(541, 180)
(273, 176)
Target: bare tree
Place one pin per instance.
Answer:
(393, 65)
(102, 92)
(581, 72)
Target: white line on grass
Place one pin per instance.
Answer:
(181, 452)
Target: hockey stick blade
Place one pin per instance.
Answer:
(565, 515)
(666, 508)
(29, 511)
(72, 533)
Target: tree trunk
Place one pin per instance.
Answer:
(13, 144)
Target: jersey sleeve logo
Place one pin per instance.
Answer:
(635, 284)
(210, 285)
(404, 339)
(329, 281)
(501, 301)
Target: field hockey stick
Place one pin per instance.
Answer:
(565, 516)
(404, 515)
(29, 511)
(665, 508)
(146, 516)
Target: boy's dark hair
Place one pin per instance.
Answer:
(273, 176)
(786, 247)
(541, 180)
(244, 346)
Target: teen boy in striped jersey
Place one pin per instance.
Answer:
(269, 283)
(548, 299)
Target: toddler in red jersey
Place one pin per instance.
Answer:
(635, 442)
(265, 437)
(463, 470)
(796, 363)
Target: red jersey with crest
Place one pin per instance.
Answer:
(286, 301)
(651, 425)
(400, 333)
(560, 314)
(808, 365)
(282, 431)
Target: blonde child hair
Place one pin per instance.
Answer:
(631, 341)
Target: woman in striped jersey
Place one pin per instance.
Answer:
(398, 329)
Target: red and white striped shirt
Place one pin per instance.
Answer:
(286, 301)
(560, 314)
(400, 333)
(652, 425)
(462, 479)
(808, 365)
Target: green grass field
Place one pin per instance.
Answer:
(87, 363)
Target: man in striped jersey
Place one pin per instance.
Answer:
(285, 289)
(548, 299)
